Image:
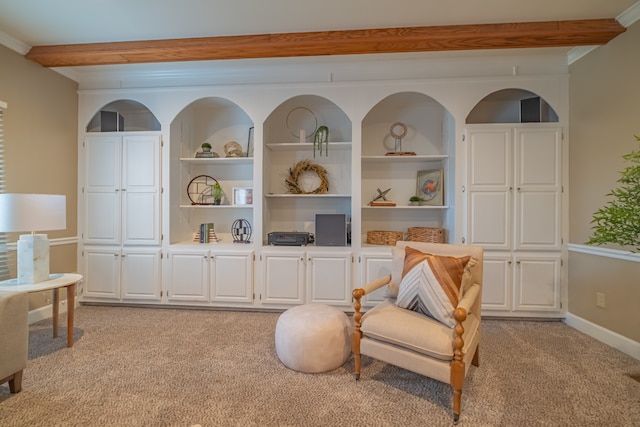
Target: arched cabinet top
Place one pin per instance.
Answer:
(306, 113)
(221, 123)
(512, 106)
(429, 125)
(124, 115)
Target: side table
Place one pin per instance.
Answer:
(55, 282)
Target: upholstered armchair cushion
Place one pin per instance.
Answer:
(389, 323)
(14, 337)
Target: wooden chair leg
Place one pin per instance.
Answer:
(357, 333)
(355, 349)
(457, 382)
(476, 357)
(15, 383)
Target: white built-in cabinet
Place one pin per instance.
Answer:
(121, 236)
(514, 210)
(502, 190)
(313, 275)
(209, 276)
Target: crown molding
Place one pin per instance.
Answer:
(14, 44)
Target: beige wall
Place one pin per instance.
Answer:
(604, 117)
(41, 143)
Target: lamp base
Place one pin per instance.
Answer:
(33, 258)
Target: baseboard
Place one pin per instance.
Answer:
(617, 341)
(46, 312)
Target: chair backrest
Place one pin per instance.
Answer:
(436, 249)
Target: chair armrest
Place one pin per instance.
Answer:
(469, 297)
(371, 286)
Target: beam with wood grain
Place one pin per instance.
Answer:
(348, 42)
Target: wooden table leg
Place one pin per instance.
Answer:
(71, 308)
(56, 302)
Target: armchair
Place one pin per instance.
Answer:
(14, 337)
(440, 344)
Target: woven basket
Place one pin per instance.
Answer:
(426, 234)
(388, 238)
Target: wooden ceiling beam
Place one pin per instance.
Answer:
(347, 42)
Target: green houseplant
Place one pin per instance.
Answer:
(618, 221)
(216, 193)
(414, 200)
(206, 146)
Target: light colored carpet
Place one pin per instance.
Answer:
(172, 367)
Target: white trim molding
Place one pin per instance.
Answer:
(612, 339)
(604, 252)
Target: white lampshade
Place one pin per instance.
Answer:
(32, 212)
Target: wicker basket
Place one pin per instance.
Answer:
(388, 238)
(425, 234)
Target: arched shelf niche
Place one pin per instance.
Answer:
(124, 115)
(227, 128)
(429, 125)
(306, 112)
(512, 106)
(284, 148)
(426, 150)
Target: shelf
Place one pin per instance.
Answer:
(218, 160)
(405, 207)
(217, 206)
(318, 196)
(408, 159)
(307, 146)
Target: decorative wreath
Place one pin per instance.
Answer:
(306, 166)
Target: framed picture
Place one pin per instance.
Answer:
(243, 196)
(430, 186)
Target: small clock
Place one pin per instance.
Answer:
(199, 190)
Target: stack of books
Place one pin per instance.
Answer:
(206, 234)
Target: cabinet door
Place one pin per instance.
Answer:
(232, 277)
(141, 190)
(537, 283)
(496, 282)
(188, 276)
(283, 278)
(489, 198)
(140, 274)
(375, 266)
(102, 189)
(329, 278)
(538, 189)
(101, 272)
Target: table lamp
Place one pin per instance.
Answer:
(31, 212)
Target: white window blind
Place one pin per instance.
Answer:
(4, 253)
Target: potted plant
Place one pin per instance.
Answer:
(216, 193)
(618, 221)
(414, 201)
(206, 147)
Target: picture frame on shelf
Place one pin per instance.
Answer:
(242, 196)
(250, 142)
(430, 187)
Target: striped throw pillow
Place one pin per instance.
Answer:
(431, 284)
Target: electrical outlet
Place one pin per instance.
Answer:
(600, 300)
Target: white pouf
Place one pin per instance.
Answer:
(313, 338)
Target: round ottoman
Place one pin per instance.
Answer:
(313, 338)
